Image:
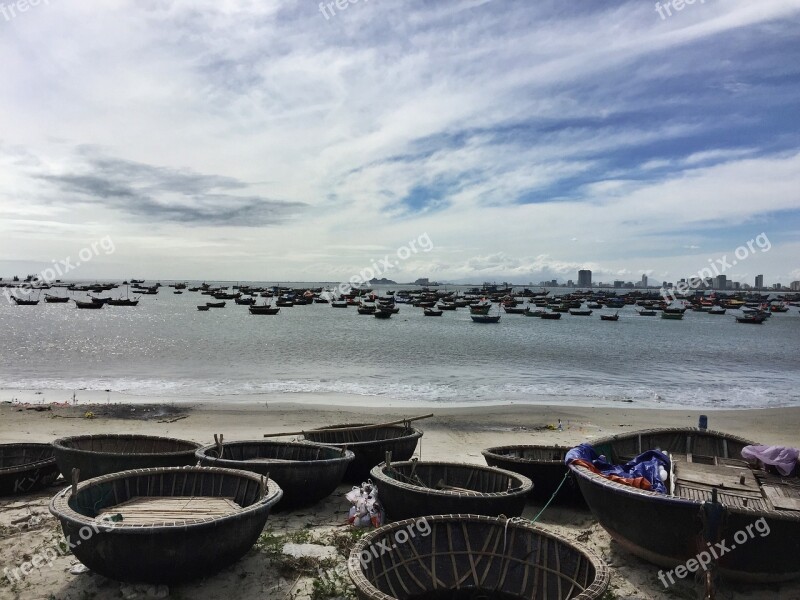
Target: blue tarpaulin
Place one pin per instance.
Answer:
(645, 465)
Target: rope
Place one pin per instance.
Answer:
(536, 518)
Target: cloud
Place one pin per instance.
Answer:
(159, 194)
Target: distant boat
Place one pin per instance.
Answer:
(755, 319)
(647, 313)
(266, 309)
(515, 310)
(90, 304)
(675, 316)
(55, 299)
(551, 315)
(614, 317)
(245, 301)
(122, 302)
(485, 318)
(383, 314)
(717, 310)
(338, 304)
(446, 306)
(202, 307)
(779, 308)
(580, 313)
(432, 312)
(215, 304)
(535, 313)
(21, 302)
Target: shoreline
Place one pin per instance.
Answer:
(339, 400)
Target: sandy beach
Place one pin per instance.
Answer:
(453, 434)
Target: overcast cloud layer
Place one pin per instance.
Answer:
(266, 140)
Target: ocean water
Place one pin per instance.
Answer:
(165, 346)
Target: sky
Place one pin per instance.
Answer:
(291, 141)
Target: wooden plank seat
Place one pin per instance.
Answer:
(149, 510)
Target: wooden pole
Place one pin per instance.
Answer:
(354, 428)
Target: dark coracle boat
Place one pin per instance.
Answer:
(411, 489)
(544, 465)
(96, 455)
(369, 443)
(89, 305)
(164, 525)
(306, 472)
(666, 529)
(470, 557)
(26, 468)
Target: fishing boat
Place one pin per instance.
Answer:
(534, 313)
(485, 318)
(473, 557)
(366, 309)
(245, 301)
(95, 455)
(446, 306)
(265, 309)
(675, 316)
(26, 468)
(338, 304)
(614, 317)
(50, 299)
(202, 307)
(667, 528)
(580, 312)
(647, 313)
(480, 309)
(22, 302)
(552, 316)
(412, 489)
(432, 312)
(122, 302)
(89, 305)
(383, 313)
(215, 304)
(369, 443)
(544, 465)
(515, 310)
(164, 525)
(753, 319)
(306, 472)
(717, 310)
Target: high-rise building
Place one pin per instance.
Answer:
(584, 278)
(721, 283)
(644, 280)
(759, 282)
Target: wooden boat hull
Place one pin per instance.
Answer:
(169, 552)
(485, 318)
(673, 531)
(306, 472)
(492, 491)
(543, 465)
(97, 455)
(26, 468)
(264, 310)
(473, 554)
(369, 446)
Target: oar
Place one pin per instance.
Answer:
(354, 428)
